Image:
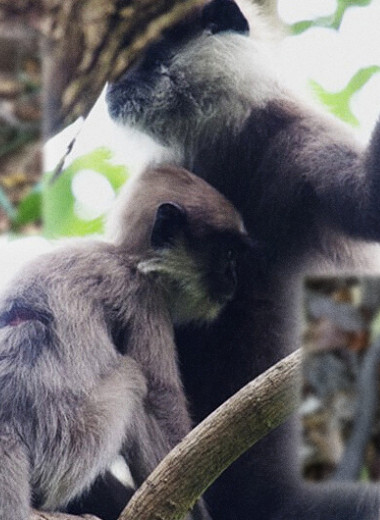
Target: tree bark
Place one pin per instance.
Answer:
(192, 466)
(89, 42)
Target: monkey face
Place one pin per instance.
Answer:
(221, 255)
(195, 262)
(192, 80)
(205, 274)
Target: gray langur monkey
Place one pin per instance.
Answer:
(208, 95)
(88, 364)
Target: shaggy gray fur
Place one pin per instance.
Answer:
(88, 365)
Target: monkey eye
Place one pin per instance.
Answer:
(229, 255)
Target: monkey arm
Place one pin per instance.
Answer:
(344, 182)
(150, 447)
(107, 415)
(163, 420)
(157, 358)
(296, 176)
(317, 180)
(161, 423)
(14, 478)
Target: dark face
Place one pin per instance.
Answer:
(196, 261)
(220, 255)
(171, 81)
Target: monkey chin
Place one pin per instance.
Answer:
(192, 295)
(196, 308)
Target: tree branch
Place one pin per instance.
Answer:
(190, 468)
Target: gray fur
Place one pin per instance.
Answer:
(68, 397)
(73, 396)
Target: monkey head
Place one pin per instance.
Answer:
(187, 236)
(195, 80)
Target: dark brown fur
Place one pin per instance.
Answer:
(206, 92)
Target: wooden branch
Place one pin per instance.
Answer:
(262, 405)
(190, 468)
(90, 42)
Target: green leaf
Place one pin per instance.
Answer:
(30, 208)
(58, 203)
(300, 27)
(333, 21)
(339, 102)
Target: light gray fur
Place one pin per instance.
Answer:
(219, 78)
(71, 401)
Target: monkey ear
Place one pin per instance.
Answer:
(224, 15)
(169, 222)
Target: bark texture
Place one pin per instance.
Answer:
(262, 405)
(89, 42)
(188, 470)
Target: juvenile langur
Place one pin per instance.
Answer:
(209, 95)
(88, 364)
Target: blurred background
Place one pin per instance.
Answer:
(339, 411)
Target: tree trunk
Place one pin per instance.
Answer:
(89, 42)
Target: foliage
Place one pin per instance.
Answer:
(339, 102)
(333, 21)
(59, 203)
(30, 208)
